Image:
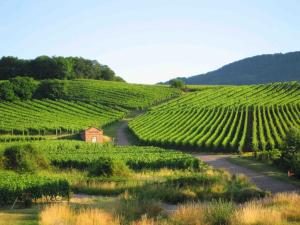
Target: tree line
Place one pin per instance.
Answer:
(56, 67)
(25, 88)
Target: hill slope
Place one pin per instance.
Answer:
(254, 70)
(88, 103)
(254, 117)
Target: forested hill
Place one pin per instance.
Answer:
(254, 70)
(57, 67)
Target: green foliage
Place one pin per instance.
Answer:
(80, 155)
(17, 88)
(45, 67)
(219, 212)
(7, 91)
(28, 186)
(248, 193)
(24, 87)
(86, 103)
(108, 167)
(177, 83)
(24, 158)
(52, 89)
(290, 152)
(292, 141)
(42, 117)
(128, 96)
(240, 118)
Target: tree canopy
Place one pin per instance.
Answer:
(56, 67)
(177, 83)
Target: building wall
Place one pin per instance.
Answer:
(92, 133)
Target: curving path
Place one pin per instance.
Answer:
(262, 181)
(221, 162)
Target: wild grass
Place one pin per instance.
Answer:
(63, 214)
(280, 209)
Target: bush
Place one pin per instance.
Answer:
(133, 208)
(272, 155)
(219, 212)
(52, 89)
(290, 158)
(7, 91)
(177, 83)
(108, 167)
(249, 193)
(24, 87)
(24, 158)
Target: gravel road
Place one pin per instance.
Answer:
(262, 181)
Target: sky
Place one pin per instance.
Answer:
(148, 41)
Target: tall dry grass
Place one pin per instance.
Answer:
(189, 214)
(63, 215)
(282, 208)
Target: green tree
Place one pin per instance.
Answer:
(177, 83)
(292, 141)
(7, 91)
(52, 89)
(24, 87)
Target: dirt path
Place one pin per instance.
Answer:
(262, 181)
(221, 162)
(122, 138)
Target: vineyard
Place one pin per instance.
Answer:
(229, 118)
(89, 103)
(13, 185)
(78, 154)
(129, 96)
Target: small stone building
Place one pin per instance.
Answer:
(93, 135)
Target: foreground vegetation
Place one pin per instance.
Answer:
(224, 119)
(142, 178)
(279, 209)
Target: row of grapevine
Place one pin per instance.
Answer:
(78, 154)
(43, 117)
(231, 118)
(129, 96)
(15, 186)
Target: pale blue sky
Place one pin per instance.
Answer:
(150, 41)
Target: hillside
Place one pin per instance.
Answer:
(87, 103)
(254, 117)
(254, 70)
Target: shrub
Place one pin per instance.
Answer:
(133, 208)
(177, 83)
(24, 158)
(108, 167)
(23, 87)
(52, 89)
(248, 193)
(219, 212)
(7, 91)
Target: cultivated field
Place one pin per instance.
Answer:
(230, 118)
(88, 103)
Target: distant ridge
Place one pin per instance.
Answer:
(258, 69)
